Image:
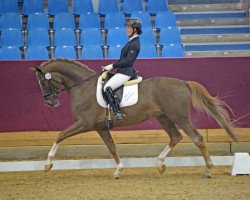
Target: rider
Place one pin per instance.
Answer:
(124, 65)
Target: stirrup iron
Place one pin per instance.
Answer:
(118, 115)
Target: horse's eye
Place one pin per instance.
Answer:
(43, 84)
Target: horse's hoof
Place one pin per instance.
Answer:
(162, 169)
(48, 167)
(118, 171)
(161, 166)
(116, 176)
(207, 175)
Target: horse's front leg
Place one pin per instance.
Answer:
(108, 140)
(70, 131)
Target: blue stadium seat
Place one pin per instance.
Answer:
(11, 37)
(10, 20)
(129, 6)
(38, 37)
(117, 36)
(57, 6)
(38, 20)
(147, 51)
(154, 6)
(172, 50)
(89, 20)
(147, 37)
(65, 52)
(37, 53)
(114, 51)
(104, 9)
(10, 53)
(64, 21)
(32, 6)
(8, 6)
(144, 17)
(165, 19)
(91, 36)
(92, 52)
(82, 6)
(170, 36)
(65, 37)
(114, 20)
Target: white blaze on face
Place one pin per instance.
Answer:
(40, 84)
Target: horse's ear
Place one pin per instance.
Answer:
(33, 69)
(36, 69)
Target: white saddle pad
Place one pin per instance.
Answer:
(129, 97)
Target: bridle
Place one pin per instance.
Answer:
(55, 91)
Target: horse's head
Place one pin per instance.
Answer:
(51, 76)
(50, 85)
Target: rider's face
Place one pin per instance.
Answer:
(129, 31)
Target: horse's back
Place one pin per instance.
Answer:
(165, 84)
(167, 94)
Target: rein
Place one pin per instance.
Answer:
(82, 81)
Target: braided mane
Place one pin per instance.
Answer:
(78, 64)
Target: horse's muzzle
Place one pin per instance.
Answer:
(50, 103)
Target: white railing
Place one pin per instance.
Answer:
(110, 163)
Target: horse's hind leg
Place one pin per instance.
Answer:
(198, 140)
(108, 140)
(175, 137)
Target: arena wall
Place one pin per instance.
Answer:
(26, 124)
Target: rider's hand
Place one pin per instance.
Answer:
(108, 67)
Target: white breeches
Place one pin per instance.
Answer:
(116, 81)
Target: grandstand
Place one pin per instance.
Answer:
(198, 28)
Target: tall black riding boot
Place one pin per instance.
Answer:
(113, 102)
(119, 114)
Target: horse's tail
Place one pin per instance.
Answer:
(203, 101)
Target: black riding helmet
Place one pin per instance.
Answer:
(135, 23)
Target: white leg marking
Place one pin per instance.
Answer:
(118, 170)
(52, 152)
(161, 158)
(164, 153)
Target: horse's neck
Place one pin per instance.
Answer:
(71, 74)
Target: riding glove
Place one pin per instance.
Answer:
(108, 67)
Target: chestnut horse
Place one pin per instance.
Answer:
(166, 99)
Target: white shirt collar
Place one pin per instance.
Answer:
(133, 37)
